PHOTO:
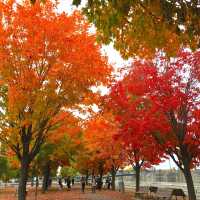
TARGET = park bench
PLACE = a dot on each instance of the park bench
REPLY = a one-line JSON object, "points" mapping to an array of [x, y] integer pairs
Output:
{"points": [[169, 193], [164, 194], [152, 191], [144, 191], [178, 193]]}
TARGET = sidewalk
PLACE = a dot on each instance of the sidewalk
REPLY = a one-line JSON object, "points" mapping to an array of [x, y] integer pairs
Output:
{"points": [[74, 194]]}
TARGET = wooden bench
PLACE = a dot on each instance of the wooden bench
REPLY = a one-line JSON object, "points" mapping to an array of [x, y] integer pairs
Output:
{"points": [[164, 194], [144, 190], [169, 193], [152, 191], [178, 193]]}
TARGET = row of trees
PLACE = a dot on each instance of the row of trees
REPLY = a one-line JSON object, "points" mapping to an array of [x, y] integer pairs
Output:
{"points": [[49, 63], [150, 115], [159, 102], [156, 104]]}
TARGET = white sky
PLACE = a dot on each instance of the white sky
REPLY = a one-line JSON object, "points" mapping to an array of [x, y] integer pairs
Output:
{"points": [[115, 59]]}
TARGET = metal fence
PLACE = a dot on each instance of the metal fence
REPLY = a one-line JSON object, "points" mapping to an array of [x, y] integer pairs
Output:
{"points": [[160, 178]]}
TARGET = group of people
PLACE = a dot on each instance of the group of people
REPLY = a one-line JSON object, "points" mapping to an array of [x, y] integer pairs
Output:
{"points": [[96, 183], [93, 184], [68, 181]]}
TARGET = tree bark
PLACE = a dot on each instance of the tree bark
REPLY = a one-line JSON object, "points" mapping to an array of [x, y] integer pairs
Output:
{"points": [[113, 173], [23, 179], [189, 182], [100, 176], [137, 178], [46, 174], [87, 176]]}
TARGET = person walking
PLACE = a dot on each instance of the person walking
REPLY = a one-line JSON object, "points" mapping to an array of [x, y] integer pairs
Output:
{"points": [[93, 185], [69, 183], [49, 182], [72, 180], [108, 182], [60, 183], [65, 179], [83, 184]]}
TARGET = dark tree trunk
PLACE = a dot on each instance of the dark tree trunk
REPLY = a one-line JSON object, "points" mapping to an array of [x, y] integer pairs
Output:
{"points": [[137, 177], [189, 181], [23, 179], [113, 173], [87, 176], [46, 174], [26, 155], [100, 176]]}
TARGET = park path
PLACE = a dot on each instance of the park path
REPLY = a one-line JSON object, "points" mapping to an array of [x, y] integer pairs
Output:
{"points": [[74, 194]]}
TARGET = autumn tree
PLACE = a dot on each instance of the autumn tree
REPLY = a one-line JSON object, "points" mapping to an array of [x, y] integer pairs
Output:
{"points": [[48, 63], [139, 27], [166, 93], [61, 148], [99, 135], [140, 149]]}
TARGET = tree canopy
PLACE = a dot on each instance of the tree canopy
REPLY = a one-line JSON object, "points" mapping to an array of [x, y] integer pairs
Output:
{"points": [[48, 64], [142, 26], [160, 100]]}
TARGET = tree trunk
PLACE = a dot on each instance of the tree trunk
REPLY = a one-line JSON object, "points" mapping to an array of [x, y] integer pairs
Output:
{"points": [[23, 179], [113, 173], [46, 174], [137, 178], [87, 176], [189, 182], [101, 178]]}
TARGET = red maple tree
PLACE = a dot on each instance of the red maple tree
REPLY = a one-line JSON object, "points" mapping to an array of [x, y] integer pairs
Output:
{"points": [[164, 94], [140, 147], [48, 63]]}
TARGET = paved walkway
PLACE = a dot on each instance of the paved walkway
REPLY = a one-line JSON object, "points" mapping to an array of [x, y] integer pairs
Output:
{"points": [[74, 194]]}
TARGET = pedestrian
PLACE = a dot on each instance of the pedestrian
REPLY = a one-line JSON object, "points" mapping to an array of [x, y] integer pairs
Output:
{"points": [[49, 182], [65, 179], [68, 182], [108, 182], [93, 185], [83, 184], [72, 180], [32, 182], [60, 183], [99, 183]]}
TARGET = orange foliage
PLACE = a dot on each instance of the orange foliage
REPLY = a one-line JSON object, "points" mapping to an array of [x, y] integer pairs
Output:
{"points": [[99, 138], [48, 61]]}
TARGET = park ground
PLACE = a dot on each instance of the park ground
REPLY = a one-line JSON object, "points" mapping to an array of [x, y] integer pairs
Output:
{"points": [[74, 194]]}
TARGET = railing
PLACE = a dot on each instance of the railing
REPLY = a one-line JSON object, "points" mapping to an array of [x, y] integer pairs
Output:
{"points": [[162, 179]]}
